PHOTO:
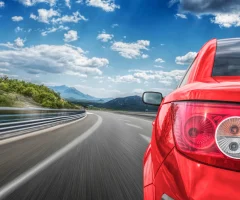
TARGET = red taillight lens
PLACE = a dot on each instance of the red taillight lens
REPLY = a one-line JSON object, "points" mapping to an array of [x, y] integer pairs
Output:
{"points": [[200, 133]]}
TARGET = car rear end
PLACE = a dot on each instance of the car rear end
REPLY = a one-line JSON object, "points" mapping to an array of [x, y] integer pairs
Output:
{"points": [[195, 147]]}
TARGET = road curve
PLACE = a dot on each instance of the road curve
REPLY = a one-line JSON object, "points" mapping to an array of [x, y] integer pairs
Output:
{"points": [[99, 157]]}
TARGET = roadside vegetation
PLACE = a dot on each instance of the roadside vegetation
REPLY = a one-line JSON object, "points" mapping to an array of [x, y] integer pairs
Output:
{"points": [[15, 92]]}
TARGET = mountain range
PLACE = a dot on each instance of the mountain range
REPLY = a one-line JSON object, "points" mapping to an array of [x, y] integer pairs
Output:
{"points": [[130, 103], [72, 94]]}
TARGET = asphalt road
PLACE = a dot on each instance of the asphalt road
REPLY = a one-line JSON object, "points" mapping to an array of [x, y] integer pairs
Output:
{"points": [[99, 157]]}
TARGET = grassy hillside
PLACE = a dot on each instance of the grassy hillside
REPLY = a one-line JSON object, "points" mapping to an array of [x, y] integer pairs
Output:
{"points": [[19, 93]]}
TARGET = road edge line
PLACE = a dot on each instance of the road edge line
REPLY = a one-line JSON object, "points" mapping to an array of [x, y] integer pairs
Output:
{"points": [[26, 176]]}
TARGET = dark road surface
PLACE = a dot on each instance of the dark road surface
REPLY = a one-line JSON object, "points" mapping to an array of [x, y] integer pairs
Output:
{"points": [[98, 157]]}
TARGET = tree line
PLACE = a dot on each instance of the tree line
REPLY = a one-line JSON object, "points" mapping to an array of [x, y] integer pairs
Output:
{"points": [[41, 94]]}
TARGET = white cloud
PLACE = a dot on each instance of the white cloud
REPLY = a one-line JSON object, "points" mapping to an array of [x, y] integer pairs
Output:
{"points": [[179, 15], [67, 2], [115, 25], [98, 77], [168, 78], [17, 18], [71, 36], [224, 13], [144, 56], [71, 73], [226, 20], [74, 18], [7, 45], [158, 66], [131, 50], [54, 29], [106, 5], [4, 70], [186, 59], [55, 59], [8, 75], [18, 29], [124, 79], [138, 91], [2, 4], [33, 2], [44, 15], [98, 92], [159, 60], [19, 42], [171, 2], [79, 1], [104, 37]]}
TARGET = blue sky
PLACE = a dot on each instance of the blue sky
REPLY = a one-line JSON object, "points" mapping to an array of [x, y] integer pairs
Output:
{"points": [[109, 48]]}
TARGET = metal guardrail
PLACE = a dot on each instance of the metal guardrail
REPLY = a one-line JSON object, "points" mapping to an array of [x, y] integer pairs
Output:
{"points": [[18, 121]]}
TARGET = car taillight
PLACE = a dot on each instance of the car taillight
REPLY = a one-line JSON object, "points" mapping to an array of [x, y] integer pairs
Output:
{"points": [[208, 132]]}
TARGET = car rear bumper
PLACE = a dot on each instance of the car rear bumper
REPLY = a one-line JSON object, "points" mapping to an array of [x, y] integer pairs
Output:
{"points": [[180, 178]]}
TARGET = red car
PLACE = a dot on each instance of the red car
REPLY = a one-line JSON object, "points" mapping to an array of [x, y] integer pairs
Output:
{"points": [[195, 147]]}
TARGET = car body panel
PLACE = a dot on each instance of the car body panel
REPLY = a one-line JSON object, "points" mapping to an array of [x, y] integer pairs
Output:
{"points": [[189, 179], [171, 172]]}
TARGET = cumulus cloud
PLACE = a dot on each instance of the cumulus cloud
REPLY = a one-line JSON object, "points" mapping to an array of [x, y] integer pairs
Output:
{"points": [[186, 59], [18, 29], [99, 92], [159, 60], [55, 59], [71, 73], [2, 4], [44, 15], [4, 70], [33, 2], [168, 78], [54, 29], [209, 6], [138, 91], [124, 79], [19, 42], [71, 36], [179, 15], [225, 13], [115, 25], [226, 20], [131, 50], [106, 5], [158, 66], [17, 18], [74, 18], [67, 2], [144, 56], [104, 37]]}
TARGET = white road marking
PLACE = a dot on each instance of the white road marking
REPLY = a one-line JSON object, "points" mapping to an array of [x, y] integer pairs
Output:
{"points": [[135, 126], [26, 176], [136, 118], [20, 137], [148, 139]]}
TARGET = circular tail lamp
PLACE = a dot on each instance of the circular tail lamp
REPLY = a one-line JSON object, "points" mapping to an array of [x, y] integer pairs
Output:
{"points": [[228, 137]]}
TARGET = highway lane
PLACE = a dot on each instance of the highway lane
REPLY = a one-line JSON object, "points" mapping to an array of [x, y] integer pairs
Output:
{"points": [[106, 164]]}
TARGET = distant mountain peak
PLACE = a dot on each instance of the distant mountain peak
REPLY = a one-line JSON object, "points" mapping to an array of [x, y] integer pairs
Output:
{"points": [[71, 93]]}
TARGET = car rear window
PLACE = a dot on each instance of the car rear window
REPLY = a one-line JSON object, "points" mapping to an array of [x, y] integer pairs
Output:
{"points": [[227, 59]]}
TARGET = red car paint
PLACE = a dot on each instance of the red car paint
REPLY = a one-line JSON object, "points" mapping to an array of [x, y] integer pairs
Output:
{"points": [[168, 170]]}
